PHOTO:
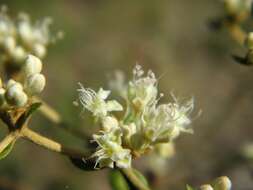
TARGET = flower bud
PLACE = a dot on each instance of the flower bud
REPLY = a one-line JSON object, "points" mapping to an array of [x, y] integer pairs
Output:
{"points": [[206, 187], [9, 43], [25, 31], [222, 183], [35, 83], [12, 82], [39, 50], [18, 54], [165, 150], [109, 123], [16, 96], [32, 65]]}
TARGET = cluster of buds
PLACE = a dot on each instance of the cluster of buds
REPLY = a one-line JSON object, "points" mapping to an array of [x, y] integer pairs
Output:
{"points": [[238, 9], [221, 183], [16, 94], [20, 37], [143, 125]]}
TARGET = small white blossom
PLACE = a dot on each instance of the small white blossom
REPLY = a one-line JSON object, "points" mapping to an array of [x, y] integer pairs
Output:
{"points": [[110, 151], [96, 102], [142, 90], [167, 120]]}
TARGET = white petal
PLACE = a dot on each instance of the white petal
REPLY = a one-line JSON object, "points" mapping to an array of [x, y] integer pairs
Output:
{"points": [[113, 105], [103, 94]]}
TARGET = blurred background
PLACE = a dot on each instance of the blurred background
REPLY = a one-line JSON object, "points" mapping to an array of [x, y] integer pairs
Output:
{"points": [[170, 37]]}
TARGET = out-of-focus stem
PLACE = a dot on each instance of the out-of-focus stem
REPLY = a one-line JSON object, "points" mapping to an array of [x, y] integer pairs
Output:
{"points": [[55, 117], [129, 173], [49, 112]]}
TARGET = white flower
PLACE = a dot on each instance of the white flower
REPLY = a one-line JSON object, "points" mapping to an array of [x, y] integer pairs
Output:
{"points": [[110, 151], [142, 90], [96, 102], [167, 120]]}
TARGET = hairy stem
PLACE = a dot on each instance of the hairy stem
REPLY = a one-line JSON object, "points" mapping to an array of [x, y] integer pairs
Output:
{"points": [[129, 173]]}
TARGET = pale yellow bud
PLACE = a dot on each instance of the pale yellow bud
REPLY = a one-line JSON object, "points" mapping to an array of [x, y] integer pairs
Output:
{"points": [[32, 65], [109, 123], [165, 150], [15, 96], [206, 187], [12, 82], [9, 44], [39, 50], [35, 83], [25, 31], [222, 183], [18, 54]]}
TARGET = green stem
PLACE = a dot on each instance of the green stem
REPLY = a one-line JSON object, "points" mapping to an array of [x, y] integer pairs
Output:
{"points": [[134, 179]]}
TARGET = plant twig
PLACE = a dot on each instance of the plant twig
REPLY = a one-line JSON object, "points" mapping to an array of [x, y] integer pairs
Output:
{"points": [[51, 144], [134, 179]]}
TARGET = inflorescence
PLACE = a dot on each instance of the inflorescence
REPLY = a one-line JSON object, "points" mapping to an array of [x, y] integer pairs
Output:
{"points": [[15, 93], [143, 124], [20, 37]]}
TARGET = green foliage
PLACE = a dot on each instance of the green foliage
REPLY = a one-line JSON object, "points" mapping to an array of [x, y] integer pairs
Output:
{"points": [[7, 150], [118, 181]]}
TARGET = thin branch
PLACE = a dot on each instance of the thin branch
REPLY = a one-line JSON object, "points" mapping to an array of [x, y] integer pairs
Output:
{"points": [[134, 179], [52, 145]]}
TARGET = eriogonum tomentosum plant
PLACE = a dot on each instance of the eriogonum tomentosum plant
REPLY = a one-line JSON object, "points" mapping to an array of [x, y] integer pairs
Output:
{"points": [[144, 125], [20, 37]]}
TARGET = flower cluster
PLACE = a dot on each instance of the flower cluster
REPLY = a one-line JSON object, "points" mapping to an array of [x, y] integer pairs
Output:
{"points": [[20, 37], [15, 94], [144, 124]]}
